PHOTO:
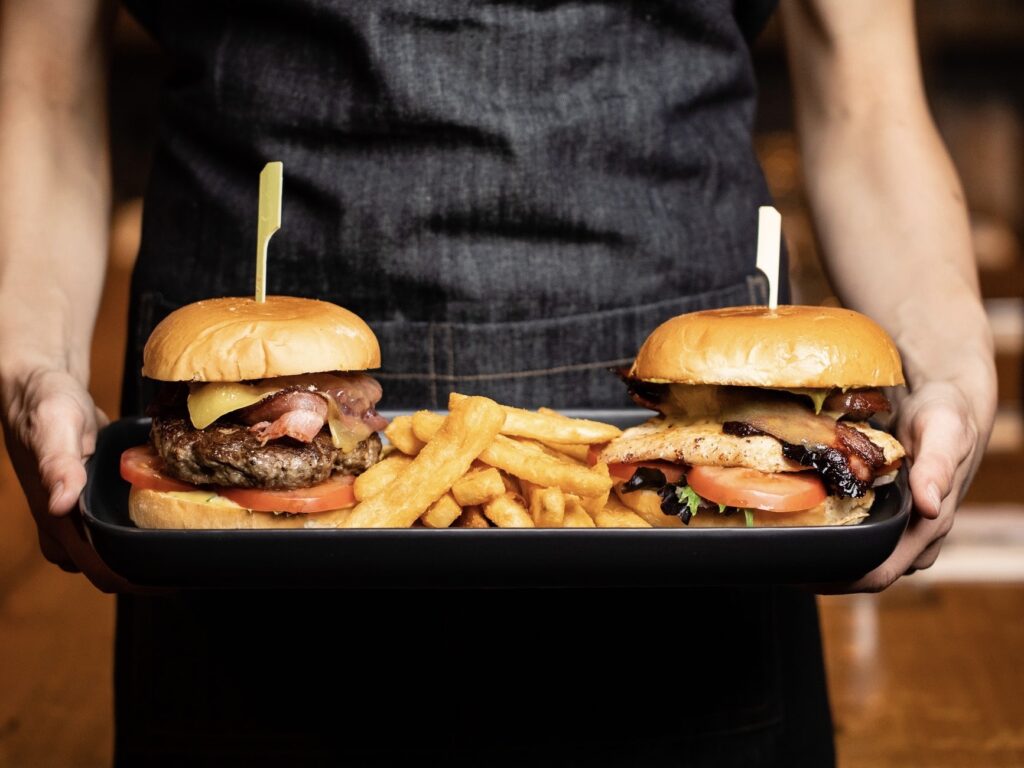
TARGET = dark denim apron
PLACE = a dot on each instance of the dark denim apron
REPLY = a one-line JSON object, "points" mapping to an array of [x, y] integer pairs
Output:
{"points": [[513, 195]]}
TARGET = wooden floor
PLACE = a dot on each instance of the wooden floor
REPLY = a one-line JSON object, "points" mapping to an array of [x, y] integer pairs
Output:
{"points": [[927, 674]]}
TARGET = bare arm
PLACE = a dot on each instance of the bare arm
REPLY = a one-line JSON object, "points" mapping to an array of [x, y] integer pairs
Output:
{"points": [[891, 219], [54, 215]]}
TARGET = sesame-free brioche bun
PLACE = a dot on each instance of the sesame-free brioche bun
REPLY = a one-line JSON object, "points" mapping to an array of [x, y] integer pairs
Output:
{"points": [[186, 511], [791, 346], [832, 511], [236, 339]]}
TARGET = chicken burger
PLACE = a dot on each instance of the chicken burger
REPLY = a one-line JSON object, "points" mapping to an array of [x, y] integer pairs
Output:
{"points": [[763, 419]]}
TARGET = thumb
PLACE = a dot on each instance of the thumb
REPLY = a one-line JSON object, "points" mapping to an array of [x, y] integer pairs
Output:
{"points": [[56, 441], [941, 441]]}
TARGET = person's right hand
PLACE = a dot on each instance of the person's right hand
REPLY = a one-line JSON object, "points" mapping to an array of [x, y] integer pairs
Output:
{"points": [[50, 424]]}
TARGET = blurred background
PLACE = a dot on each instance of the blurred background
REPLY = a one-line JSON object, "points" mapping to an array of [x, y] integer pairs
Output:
{"points": [[928, 673]]}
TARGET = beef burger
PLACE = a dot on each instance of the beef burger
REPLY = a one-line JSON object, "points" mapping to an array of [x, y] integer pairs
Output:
{"points": [[264, 419]]}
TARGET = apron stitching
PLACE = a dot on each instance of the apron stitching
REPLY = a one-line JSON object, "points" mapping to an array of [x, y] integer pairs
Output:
{"points": [[451, 348], [611, 313], [434, 377]]}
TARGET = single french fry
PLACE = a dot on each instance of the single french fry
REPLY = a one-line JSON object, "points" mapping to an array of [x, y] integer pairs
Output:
{"points": [[575, 515], [547, 508], [380, 475], [442, 513], [594, 503], [425, 424], [507, 511], [616, 515], [478, 487], [472, 517], [550, 450], [550, 428], [399, 433], [469, 429], [527, 462], [576, 452]]}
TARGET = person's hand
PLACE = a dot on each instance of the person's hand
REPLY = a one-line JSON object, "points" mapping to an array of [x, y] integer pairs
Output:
{"points": [[944, 426], [50, 424]]}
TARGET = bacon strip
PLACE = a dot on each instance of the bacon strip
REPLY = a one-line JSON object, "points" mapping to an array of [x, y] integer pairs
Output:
{"points": [[646, 394], [356, 397], [301, 413], [298, 425], [857, 404], [275, 406], [844, 457]]}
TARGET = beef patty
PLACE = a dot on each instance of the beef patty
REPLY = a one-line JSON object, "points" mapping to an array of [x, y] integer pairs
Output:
{"points": [[229, 454]]}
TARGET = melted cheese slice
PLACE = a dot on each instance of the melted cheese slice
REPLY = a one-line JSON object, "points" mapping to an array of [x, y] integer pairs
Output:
{"points": [[208, 401]]}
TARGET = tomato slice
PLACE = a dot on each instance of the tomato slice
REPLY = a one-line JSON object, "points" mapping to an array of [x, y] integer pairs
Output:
{"points": [[770, 491], [142, 467], [673, 472], [335, 493]]}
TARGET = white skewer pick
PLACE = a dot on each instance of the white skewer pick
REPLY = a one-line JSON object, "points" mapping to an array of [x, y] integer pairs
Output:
{"points": [[769, 237], [269, 221]]}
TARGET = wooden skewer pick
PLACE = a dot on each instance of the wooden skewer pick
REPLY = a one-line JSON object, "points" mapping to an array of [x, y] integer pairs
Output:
{"points": [[271, 183], [769, 236]]}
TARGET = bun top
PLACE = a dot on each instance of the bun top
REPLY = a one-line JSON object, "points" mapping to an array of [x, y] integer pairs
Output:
{"points": [[236, 339], [793, 346]]}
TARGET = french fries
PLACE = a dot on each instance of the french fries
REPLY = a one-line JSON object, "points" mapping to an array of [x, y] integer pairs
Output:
{"points": [[379, 476], [576, 452], [472, 517], [539, 468], [525, 461], [487, 465], [442, 513], [399, 433], [594, 503], [615, 514], [547, 507], [478, 487], [467, 431], [507, 511], [575, 515], [549, 427]]}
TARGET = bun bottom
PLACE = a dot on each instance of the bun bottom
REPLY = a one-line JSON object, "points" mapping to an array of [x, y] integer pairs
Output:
{"points": [[832, 511], [191, 511]]}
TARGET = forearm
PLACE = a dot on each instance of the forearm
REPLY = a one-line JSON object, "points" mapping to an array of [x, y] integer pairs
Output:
{"points": [[894, 230], [887, 204], [54, 203]]}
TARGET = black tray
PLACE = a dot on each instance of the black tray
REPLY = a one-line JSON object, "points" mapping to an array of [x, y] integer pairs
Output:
{"points": [[419, 557]]}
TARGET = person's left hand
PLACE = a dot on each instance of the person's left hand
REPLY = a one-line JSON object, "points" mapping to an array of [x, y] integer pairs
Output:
{"points": [[944, 426]]}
